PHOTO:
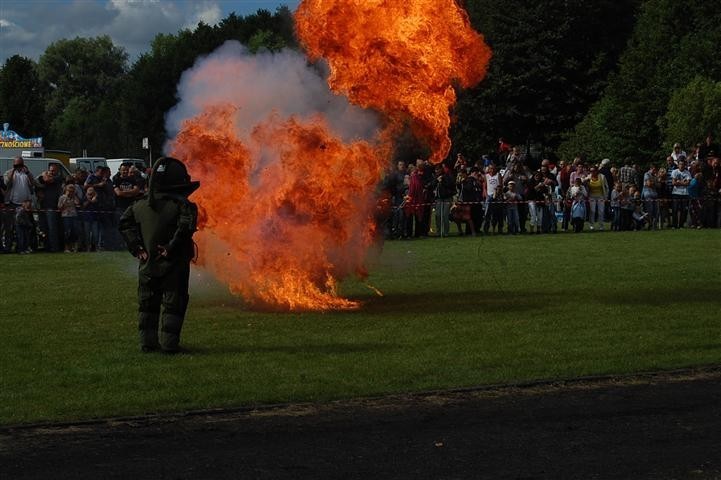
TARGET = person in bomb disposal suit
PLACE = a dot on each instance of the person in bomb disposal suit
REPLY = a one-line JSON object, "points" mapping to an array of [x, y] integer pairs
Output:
{"points": [[158, 230]]}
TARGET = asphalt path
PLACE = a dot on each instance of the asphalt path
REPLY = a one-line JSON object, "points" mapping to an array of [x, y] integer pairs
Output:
{"points": [[653, 426]]}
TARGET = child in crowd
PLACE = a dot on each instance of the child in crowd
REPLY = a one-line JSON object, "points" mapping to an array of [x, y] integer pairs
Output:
{"points": [[89, 215], [68, 206], [650, 202], [24, 226], [640, 218], [577, 194], [627, 207], [512, 200]]}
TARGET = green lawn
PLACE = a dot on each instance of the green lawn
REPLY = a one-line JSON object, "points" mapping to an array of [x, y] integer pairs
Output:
{"points": [[456, 312]]}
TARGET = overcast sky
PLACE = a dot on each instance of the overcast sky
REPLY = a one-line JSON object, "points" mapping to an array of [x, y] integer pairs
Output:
{"points": [[27, 27]]}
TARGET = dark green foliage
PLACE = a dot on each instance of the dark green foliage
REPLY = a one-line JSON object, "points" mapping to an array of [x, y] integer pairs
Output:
{"points": [[693, 111], [550, 62], [21, 96], [673, 42], [82, 77]]}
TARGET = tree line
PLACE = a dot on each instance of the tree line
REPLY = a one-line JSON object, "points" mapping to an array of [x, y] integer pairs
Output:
{"points": [[602, 78]]}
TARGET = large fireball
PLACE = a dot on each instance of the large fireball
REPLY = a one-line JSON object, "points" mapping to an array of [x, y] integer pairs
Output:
{"points": [[397, 56], [288, 168]]}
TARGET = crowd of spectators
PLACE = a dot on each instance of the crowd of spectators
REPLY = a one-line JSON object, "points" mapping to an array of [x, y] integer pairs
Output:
{"points": [[500, 194], [507, 194], [78, 213]]}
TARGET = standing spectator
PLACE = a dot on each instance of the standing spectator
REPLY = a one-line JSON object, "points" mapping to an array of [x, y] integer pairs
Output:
{"points": [[89, 216], [615, 175], [707, 147], [535, 196], [50, 187], [504, 149], [640, 218], [139, 179], [468, 198], [512, 200], [671, 165], [579, 171], [649, 195], [100, 181], [577, 195], [520, 176], [474, 191], [444, 187], [127, 190], [495, 212], [627, 174], [491, 181], [461, 164], [677, 152], [663, 204], [605, 170], [564, 183], [681, 179], [414, 208], [25, 226], [513, 157], [597, 193], [68, 206], [627, 207], [19, 185]]}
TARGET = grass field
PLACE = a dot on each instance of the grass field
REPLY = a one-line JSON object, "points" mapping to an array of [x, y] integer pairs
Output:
{"points": [[456, 312]]}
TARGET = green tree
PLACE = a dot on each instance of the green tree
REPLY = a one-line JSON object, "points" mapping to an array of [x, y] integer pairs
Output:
{"points": [[551, 61], [693, 111], [83, 76], [21, 96], [673, 40]]}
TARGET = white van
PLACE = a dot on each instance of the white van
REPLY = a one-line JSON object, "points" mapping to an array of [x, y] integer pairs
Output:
{"points": [[88, 163], [114, 164], [36, 165]]}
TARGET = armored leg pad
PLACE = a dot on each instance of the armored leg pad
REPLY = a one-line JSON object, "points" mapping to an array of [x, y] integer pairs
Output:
{"points": [[148, 330], [170, 332]]}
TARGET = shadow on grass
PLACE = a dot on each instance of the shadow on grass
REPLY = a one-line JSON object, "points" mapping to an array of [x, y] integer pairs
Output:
{"points": [[456, 302], [325, 349], [653, 295]]}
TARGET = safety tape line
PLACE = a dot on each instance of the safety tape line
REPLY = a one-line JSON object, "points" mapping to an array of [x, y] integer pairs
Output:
{"points": [[41, 210], [546, 202]]}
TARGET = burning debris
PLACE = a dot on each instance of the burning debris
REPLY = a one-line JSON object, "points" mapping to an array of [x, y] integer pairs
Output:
{"points": [[289, 168]]}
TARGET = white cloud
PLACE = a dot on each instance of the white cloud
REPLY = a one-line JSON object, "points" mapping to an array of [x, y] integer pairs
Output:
{"points": [[28, 27], [207, 12]]}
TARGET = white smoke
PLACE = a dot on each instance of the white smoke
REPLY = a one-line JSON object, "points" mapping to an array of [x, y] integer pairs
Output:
{"points": [[262, 84]]}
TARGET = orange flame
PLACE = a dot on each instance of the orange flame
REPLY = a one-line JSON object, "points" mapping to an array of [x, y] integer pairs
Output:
{"points": [[305, 221], [397, 56], [286, 207]]}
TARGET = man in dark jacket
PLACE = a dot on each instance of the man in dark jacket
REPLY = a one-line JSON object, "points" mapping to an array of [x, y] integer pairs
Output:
{"points": [[50, 189], [444, 187], [158, 230]]}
